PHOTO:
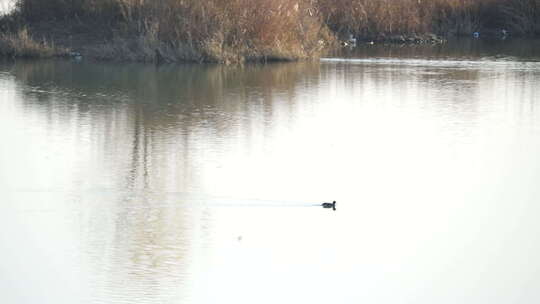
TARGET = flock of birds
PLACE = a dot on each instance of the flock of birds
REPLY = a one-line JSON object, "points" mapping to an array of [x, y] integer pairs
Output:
{"points": [[351, 40]]}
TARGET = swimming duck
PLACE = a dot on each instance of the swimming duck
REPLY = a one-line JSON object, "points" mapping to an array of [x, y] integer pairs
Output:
{"points": [[330, 205]]}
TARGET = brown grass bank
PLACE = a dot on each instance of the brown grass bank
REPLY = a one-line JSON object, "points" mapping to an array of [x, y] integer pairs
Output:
{"points": [[382, 18], [230, 31], [22, 45], [182, 30]]}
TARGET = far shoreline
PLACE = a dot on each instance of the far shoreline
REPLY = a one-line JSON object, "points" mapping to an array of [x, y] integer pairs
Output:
{"points": [[210, 31]]}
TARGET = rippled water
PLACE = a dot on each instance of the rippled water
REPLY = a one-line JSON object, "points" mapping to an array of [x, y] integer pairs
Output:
{"points": [[126, 183]]}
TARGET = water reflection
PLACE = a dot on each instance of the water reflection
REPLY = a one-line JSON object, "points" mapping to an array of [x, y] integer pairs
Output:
{"points": [[147, 108], [110, 168], [143, 132]]}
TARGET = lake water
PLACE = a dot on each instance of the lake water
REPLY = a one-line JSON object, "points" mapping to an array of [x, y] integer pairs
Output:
{"points": [[131, 183]]}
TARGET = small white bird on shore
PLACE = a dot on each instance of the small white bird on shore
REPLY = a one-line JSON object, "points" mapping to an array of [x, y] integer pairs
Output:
{"points": [[352, 40]]}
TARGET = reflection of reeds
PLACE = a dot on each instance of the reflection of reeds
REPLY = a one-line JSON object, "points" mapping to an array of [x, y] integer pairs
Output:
{"points": [[132, 110], [191, 87]]}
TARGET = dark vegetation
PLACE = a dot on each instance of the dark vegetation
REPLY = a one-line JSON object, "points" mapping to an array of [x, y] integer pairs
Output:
{"points": [[384, 18], [231, 31]]}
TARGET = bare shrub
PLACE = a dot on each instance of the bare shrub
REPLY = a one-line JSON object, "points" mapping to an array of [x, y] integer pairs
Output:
{"points": [[21, 44]]}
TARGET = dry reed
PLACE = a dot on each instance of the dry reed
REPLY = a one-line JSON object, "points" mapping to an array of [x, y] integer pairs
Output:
{"points": [[240, 30], [22, 45], [446, 17], [194, 30]]}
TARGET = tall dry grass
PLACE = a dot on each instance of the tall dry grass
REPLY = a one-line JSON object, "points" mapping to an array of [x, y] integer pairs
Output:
{"points": [[230, 29], [210, 30], [522, 16], [22, 45], [386, 17], [239, 30], [39, 10], [447, 17]]}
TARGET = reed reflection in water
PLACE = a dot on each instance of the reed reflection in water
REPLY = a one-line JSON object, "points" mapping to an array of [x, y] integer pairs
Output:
{"points": [[186, 184]]}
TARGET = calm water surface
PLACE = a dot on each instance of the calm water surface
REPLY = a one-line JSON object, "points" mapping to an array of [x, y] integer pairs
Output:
{"points": [[198, 184]]}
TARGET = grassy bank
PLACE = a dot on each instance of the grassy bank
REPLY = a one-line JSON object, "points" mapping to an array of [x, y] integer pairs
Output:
{"points": [[21, 44], [383, 18], [187, 30], [232, 31]]}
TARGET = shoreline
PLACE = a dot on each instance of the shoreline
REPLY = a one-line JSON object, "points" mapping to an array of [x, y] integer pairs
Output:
{"points": [[35, 42], [65, 44], [215, 32]]}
